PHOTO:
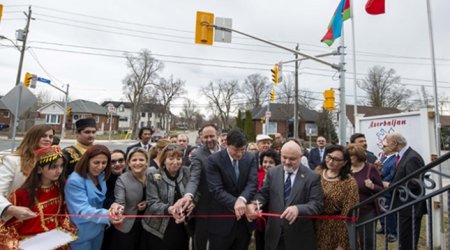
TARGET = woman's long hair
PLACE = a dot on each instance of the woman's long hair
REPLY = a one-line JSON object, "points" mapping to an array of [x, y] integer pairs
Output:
{"points": [[33, 182], [29, 144]]}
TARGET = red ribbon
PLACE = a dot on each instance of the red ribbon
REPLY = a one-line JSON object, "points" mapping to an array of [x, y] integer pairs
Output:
{"points": [[318, 217]]}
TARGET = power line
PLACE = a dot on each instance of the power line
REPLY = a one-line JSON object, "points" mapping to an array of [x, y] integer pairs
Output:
{"points": [[216, 60]]}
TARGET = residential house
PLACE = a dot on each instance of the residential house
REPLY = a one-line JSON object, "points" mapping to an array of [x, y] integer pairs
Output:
{"points": [[282, 119], [151, 115], [5, 115], [53, 113]]}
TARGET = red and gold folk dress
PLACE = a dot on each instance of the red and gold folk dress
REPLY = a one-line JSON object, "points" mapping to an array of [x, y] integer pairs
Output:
{"points": [[48, 201]]}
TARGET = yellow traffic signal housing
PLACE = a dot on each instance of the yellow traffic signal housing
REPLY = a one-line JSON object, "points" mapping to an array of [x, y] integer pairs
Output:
{"points": [[69, 110], [27, 80], [203, 28], [328, 103], [1, 12], [275, 74], [272, 96]]}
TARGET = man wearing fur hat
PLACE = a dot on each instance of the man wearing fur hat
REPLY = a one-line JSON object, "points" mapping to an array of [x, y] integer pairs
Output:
{"points": [[86, 130]]}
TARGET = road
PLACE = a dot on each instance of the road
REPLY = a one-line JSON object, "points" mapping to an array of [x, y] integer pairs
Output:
{"points": [[6, 144]]}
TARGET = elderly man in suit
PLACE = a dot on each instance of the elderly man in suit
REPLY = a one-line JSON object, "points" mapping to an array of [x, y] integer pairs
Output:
{"points": [[145, 134], [317, 154], [232, 182], [291, 190], [407, 161]]}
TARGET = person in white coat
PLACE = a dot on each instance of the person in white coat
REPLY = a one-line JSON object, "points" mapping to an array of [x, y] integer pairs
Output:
{"points": [[15, 167]]}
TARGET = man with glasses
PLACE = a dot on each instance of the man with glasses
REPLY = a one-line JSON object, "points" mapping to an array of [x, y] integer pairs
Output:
{"points": [[232, 182], [301, 194], [145, 134], [316, 155], [86, 130]]}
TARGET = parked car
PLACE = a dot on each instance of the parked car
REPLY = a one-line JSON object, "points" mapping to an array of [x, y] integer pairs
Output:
{"points": [[3, 126], [158, 135]]}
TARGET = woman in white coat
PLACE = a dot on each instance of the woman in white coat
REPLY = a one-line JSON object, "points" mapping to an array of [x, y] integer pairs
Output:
{"points": [[15, 167]]}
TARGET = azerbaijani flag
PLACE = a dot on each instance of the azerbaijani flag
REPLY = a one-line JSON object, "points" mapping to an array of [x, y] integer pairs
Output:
{"points": [[341, 14]]}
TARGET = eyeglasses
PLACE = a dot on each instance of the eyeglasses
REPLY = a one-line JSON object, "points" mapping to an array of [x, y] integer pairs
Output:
{"points": [[118, 161], [335, 159]]}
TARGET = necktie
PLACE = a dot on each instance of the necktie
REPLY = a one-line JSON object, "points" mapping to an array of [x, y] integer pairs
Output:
{"points": [[397, 160], [236, 168], [321, 154], [287, 188]]}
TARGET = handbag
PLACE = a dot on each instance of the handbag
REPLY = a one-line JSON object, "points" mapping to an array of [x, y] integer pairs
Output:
{"points": [[379, 208]]}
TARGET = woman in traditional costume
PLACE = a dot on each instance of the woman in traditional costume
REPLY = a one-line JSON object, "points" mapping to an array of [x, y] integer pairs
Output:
{"points": [[43, 194]]}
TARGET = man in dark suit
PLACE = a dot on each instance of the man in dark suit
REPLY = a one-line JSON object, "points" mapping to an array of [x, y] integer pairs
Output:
{"points": [[145, 134], [183, 140], [232, 182], [316, 154], [197, 182], [290, 189], [408, 161]]}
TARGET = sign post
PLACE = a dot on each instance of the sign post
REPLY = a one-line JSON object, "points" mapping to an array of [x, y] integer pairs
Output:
{"points": [[111, 110]]}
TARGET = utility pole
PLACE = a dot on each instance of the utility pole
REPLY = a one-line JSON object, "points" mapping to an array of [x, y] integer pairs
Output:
{"points": [[24, 43], [21, 35], [296, 95]]}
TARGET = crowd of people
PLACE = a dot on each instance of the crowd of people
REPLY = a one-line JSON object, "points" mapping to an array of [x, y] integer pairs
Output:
{"points": [[211, 194]]}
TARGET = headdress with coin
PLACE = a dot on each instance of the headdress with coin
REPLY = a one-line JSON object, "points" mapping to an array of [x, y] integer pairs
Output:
{"points": [[47, 155]]}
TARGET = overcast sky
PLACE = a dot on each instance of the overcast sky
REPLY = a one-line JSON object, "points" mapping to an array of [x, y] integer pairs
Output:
{"points": [[82, 43]]}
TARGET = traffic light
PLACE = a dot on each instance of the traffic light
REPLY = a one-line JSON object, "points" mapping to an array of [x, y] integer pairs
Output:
{"points": [[272, 96], [203, 28], [275, 74], [28, 78], [1, 12], [69, 110], [262, 120], [328, 103]]}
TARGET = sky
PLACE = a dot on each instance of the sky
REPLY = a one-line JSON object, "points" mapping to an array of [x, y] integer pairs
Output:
{"points": [[82, 43]]}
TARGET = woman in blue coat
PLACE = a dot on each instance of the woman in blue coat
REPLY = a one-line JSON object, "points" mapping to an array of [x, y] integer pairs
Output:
{"points": [[85, 192]]}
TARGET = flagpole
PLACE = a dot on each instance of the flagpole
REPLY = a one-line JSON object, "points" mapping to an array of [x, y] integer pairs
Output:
{"points": [[342, 105], [437, 125], [355, 81]]}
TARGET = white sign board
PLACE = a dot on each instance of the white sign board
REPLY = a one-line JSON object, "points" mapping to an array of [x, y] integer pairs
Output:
{"points": [[222, 35], [268, 114], [311, 129], [416, 127]]}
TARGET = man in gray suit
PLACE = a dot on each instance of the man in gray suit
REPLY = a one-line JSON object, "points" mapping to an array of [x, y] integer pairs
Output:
{"points": [[198, 182], [407, 162], [292, 190]]}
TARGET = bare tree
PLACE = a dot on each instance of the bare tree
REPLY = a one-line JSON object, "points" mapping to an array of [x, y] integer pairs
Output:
{"points": [[189, 113], [255, 88], [222, 96], [167, 90], [384, 88], [287, 93], [43, 97], [143, 71]]}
